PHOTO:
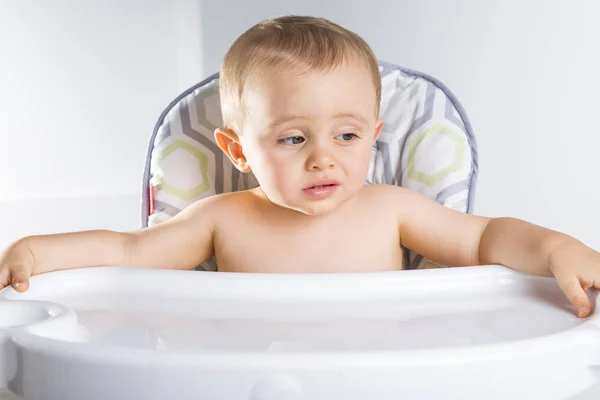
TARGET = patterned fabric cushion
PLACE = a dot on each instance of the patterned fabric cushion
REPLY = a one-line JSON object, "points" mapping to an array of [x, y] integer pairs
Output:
{"points": [[426, 145]]}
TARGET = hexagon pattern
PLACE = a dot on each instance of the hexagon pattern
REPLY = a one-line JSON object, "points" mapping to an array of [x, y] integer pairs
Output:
{"points": [[196, 183], [456, 156], [423, 122]]}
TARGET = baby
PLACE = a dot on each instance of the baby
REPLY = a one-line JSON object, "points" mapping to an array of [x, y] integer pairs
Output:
{"points": [[300, 102]]}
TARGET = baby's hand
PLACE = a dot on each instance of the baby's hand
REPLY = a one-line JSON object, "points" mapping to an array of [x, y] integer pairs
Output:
{"points": [[16, 266], [576, 269]]}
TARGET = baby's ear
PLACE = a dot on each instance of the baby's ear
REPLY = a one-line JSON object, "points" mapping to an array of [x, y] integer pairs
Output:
{"points": [[228, 141], [378, 127]]}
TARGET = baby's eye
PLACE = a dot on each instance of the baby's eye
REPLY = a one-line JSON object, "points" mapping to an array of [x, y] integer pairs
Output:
{"points": [[292, 140], [347, 137]]}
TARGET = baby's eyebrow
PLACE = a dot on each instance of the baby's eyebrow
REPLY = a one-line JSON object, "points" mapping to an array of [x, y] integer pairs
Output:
{"points": [[287, 118], [357, 117], [282, 120]]}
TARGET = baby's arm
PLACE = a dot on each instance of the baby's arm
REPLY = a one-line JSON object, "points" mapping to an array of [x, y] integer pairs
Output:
{"points": [[440, 234], [183, 242], [453, 238]]}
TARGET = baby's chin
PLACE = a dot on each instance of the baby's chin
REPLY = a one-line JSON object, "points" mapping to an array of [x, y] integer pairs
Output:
{"points": [[312, 208], [314, 211], [302, 209]]}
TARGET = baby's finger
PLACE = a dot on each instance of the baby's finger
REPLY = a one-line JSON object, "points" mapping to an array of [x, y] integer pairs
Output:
{"points": [[576, 295], [20, 278], [4, 277]]}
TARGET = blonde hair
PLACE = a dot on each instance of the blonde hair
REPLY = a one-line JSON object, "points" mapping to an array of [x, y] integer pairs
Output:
{"points": [[314, 44]]}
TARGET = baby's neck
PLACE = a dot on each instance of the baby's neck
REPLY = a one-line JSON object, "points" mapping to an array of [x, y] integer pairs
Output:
{"points": [[348, 206]]}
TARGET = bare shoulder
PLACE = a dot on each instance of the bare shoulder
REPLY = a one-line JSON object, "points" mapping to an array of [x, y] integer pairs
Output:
{"points": [[401, 203], [186, 240], [390, 195], [437, 232], [220, 204]]}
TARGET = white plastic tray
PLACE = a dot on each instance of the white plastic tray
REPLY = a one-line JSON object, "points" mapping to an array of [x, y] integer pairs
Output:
{"points": [[465, 333]]}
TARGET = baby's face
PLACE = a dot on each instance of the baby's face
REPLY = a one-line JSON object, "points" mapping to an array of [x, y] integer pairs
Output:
{"points": [[308, 137]]}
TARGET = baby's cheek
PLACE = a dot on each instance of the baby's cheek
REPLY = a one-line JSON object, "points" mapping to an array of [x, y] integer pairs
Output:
{"points": [[276, 171], [360, 169]]}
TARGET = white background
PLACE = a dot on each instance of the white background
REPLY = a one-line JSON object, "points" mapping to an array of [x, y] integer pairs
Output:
{"points": [[83, 82]]}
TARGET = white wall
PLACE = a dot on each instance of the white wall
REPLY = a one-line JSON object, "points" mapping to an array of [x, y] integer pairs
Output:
{"points": [[525, 71], [82, 83]]}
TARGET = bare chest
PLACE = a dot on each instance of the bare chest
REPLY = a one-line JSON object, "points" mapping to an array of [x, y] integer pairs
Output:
{"points": [[259, 244]]}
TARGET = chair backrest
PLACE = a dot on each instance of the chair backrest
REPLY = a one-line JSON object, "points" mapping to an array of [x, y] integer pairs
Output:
{"points": [[426, 145]]}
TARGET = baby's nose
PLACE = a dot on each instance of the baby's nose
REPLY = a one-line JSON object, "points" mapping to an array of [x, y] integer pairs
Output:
{"points": [[320, 159]]}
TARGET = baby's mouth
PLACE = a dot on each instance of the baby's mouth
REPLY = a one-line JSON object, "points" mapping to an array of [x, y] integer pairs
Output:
{"points": [[322, 189], [322, 186]]}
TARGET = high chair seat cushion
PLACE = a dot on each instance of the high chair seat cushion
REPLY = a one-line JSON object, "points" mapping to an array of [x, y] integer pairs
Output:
{"points": [[426, 145]]}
